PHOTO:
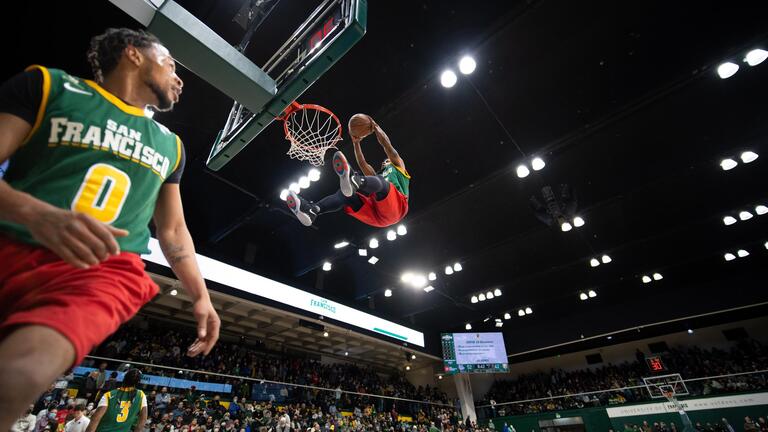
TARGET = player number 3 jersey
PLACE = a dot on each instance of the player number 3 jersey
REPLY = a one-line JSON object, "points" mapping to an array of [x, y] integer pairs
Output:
{"points": [[90, 152]]}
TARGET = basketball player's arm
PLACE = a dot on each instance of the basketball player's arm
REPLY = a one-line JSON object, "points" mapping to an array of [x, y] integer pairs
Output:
{"points": [[142, 420], [96, 418], [179, 250], [392, 154], [77, 238], [365, 167]]}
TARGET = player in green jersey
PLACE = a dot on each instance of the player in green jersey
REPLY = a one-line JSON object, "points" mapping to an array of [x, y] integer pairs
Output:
{"points": [[378, 200], [88, 172], [121, 409]]}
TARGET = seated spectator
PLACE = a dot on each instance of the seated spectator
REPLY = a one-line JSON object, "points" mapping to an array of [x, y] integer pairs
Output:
{"points": [[80, 422], [25, 423]]}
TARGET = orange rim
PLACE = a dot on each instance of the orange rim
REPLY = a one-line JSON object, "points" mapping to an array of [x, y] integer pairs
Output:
{"points": [[294, 107]]}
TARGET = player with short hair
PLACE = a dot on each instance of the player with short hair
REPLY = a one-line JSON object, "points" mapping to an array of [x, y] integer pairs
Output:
{"points": [[88, 172], [378, 200], [122, 408]]}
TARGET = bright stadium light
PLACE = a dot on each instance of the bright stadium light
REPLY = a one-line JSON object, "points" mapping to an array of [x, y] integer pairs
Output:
{"points": [[755, 57], [325, 334], [690, 331], [565, 227], [497, 292], [592, 294], [362, 252], [457, 267], [583, 296], [727, 70], [528, 310], [474, 299], [467, 65], [448, 270], [391, 235], [304, 182], [406, 277], [431, 276], [448, 78], [373, 260], [745, 215], [748, 156], [489, 295], [594, 262], [657, 276], [468, 326], [327, 266], [507, 316], [522, 171], [578, 222], [387, 292], [499, 324], [346, 353], [418, 281], [284, 194], [401, 230], [742, 253], [341, 244], [728, 164], [606, 259], [407, 367], [646, 279], [373, 244], [314, 174], [428, 288], [413, 356], [520, 312], [729, 220], [538, 164], [173, 292], [481, 297], [761, 210], [729, 256], [294, 187]]}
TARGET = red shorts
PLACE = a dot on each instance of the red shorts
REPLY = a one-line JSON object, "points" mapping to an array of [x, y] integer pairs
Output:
{"points": [[384, 213], [84, 305]]}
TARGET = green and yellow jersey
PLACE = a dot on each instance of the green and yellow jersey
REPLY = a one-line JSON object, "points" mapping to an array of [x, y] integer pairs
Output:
{"points": [[398, 177], [90, 152], [123, 408]]}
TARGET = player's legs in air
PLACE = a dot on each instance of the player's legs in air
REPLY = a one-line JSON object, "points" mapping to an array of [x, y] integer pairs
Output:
{"points": [[351, 186]]}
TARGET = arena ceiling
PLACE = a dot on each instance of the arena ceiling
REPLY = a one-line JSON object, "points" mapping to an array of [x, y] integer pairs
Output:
{"points": [[621, 100]]}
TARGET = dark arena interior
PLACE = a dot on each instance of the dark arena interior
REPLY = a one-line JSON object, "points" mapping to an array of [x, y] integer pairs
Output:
{"points": [[585, 249]]}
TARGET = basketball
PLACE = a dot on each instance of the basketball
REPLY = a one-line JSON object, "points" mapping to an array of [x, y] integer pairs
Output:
{"points": [[360, 125]]}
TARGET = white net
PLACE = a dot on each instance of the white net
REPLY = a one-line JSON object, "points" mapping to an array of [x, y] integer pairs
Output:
{"points": [[311, 132]]}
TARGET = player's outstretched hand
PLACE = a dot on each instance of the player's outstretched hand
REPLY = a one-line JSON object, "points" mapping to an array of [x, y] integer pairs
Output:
{"points": [[77, 238], [208, 324]]}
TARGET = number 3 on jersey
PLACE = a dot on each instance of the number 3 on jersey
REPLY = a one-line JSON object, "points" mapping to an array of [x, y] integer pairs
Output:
{"points": [[102, 193]]}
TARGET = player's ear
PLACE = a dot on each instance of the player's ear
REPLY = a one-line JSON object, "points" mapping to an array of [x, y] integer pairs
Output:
{"points": [[133, 55]]}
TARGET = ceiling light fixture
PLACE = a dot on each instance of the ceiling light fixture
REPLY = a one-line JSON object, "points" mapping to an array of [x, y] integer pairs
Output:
{"points": [[497, 292], [457, 267], [761, 209], [387, 292], [565, 227], [729, 256], [578, 222], [401, 230], [428, 288], [755, 57], [583, 296], [748, 156], [473, 299], [742, 253], [606, 259], [448, 270], [362, 252], [314, 174], [448, 78], [431, 276], [373, 260], [538, 164], [391, 235], [467, 65], [592, 294], [728, 164], [468, 326], [594, 262], [729, 220], [522, 171], [745, 215], [727, 70], [327, 266], [341, 244]]}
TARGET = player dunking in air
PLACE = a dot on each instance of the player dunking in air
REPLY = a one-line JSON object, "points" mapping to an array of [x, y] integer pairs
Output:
{"points": [[378, 200], [123, 409], [88, 172]]}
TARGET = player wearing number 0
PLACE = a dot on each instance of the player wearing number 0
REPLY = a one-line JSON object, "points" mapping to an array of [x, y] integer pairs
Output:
{"points": [[378, 200], [122, 409], [88, 172]]}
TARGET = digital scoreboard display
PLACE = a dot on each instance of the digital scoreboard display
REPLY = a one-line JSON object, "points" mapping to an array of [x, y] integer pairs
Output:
{"points": [[655, 364], [474, 353]]}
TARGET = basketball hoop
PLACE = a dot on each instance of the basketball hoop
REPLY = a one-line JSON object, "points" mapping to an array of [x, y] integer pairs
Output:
{"points": [[312, 130]]}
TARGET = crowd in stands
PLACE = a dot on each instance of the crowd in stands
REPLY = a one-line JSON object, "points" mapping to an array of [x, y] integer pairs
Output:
{"points": [[759, 425], [689, 362]]}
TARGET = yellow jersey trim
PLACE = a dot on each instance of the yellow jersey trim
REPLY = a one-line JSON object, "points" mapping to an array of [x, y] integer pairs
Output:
{"points": [[128, 109], [408, 176], [43, 101], [178, 154]]}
